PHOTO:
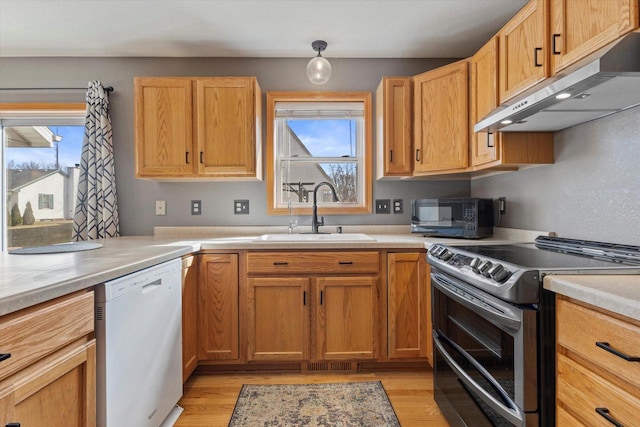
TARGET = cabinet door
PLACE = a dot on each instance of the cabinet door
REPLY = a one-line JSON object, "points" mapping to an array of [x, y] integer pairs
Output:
{"points": [[226, 126], [189, 316], [393, 120], [218, 307], [347, 318], [163, 127], [524, 49], [58, 391], [278, 319], [409, 313], [483, 100], [579, 27], [441, 119]]}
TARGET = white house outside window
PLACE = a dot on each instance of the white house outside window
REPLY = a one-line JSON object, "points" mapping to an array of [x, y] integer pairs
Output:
{"points": [[41, 152]]}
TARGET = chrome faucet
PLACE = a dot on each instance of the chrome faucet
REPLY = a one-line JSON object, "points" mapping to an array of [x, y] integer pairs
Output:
{"points": [[314, 220]]}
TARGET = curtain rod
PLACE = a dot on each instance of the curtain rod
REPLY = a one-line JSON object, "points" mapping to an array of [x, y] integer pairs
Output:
{"points": [[107, 89]]}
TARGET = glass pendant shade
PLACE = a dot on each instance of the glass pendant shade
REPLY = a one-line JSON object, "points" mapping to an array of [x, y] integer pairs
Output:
{"points": [[319, 69]]}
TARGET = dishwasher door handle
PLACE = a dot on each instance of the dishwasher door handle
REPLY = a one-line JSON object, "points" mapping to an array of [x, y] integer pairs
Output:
{"points": [[151, 286]]}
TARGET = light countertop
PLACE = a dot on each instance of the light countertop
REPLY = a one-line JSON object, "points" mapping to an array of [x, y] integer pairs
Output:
{"points": [[26, 280], [619, 294]]}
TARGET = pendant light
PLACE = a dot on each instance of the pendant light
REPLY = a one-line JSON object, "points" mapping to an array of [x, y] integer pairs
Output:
{"points": [[319, 69]]}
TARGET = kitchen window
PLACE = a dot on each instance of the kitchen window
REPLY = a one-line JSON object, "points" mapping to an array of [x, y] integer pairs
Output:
{"points": [[315, 137], [41, 152]]}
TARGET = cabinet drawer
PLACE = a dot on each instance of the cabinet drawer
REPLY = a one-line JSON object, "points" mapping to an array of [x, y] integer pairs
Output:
{"points": [[35, 332], [579, 328], [313, 262], [580, 392]]}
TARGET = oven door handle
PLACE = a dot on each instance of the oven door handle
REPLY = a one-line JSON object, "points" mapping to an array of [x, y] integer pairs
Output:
{"points": [[507, 316], [512, 413]]}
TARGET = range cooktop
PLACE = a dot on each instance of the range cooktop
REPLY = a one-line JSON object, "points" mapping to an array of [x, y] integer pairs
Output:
{"points": [[514, 272]]}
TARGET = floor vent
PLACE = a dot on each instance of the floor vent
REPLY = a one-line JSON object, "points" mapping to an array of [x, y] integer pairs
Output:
{"points": [[332, 367]]}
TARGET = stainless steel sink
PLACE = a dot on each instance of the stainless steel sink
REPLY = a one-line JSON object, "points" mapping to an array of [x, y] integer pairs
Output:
{"points": [[347, 237]]}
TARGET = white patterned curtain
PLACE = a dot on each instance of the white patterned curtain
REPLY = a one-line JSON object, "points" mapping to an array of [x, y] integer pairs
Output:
{"points": [[96, 213]]}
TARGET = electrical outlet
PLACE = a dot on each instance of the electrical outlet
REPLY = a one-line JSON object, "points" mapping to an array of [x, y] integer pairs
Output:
{"points": [[196, 207], [502, 205], [397, 206], [161, 207], [383, 206], [241, 207]]}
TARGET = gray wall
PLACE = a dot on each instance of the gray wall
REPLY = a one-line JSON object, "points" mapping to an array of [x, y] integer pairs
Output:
{"points": [[136, 198], [592, 191]]}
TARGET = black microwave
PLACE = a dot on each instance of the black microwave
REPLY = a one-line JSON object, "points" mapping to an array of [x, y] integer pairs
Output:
{"points": [[465, 217]]}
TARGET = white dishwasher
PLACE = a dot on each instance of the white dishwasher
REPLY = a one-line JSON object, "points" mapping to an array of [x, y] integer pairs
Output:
{"points": [[139, 347]]}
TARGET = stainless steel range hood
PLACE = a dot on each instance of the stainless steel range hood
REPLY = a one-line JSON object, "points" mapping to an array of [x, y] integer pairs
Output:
{"points": [[602, 84]]}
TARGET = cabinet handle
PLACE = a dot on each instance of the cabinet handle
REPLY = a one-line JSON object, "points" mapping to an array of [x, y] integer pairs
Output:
{"points": [[417, 154], [390, 156], [345, 262], [321, 296], [605, 346], [4, 356], [489, 145], [12, 425], [304, 298], [280, 263], [554, 51], [604, 413], [201, 153], [535, 56], [187, 157]]}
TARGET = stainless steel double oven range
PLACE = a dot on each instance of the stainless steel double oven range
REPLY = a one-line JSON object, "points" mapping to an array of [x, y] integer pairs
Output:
{"points": [[494, 325]]}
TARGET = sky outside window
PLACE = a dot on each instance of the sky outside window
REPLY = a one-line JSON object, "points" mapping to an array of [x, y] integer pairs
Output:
{"points": [[325, 137]]}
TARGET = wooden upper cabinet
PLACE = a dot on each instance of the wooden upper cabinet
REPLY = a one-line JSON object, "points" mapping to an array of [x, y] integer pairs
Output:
{"points": [[483, 99], [441, 119], [228, 126], [393, 127], [163, 127], [524, 49], [579, 27], [198, 128]]}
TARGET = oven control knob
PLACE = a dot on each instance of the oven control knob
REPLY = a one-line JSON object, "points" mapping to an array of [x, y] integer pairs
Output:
{"points": [[434, 249], [446, 255], [500, 275], [474, 264], [484, 267], [493, 271]]}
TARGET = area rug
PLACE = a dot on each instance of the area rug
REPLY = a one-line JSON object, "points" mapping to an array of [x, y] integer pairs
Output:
{"points": [[328, 405]]}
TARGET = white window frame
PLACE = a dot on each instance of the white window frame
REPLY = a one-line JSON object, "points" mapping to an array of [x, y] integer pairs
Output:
{"points": [[30, 114], [327, 104]]}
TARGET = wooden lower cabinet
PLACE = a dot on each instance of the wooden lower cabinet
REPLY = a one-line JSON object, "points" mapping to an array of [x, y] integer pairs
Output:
{"points": [[347, 320], [278, 318], [409, 306], [310, 306], [50, 378], [189, 315], [594, 383], [218, 307]]}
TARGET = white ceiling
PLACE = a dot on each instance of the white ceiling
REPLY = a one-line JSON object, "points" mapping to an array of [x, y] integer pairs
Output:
{"points": [[250, 28]]}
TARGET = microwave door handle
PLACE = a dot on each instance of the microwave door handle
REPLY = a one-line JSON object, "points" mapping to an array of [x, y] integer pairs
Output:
{"points": [[514, 414], [508, 318]]}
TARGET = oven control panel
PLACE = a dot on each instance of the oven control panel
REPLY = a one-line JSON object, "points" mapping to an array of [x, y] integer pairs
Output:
{"points": [[482, 267]]}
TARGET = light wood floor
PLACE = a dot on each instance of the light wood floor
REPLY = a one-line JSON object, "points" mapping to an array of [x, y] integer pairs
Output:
{"points": [[209, 399]]}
